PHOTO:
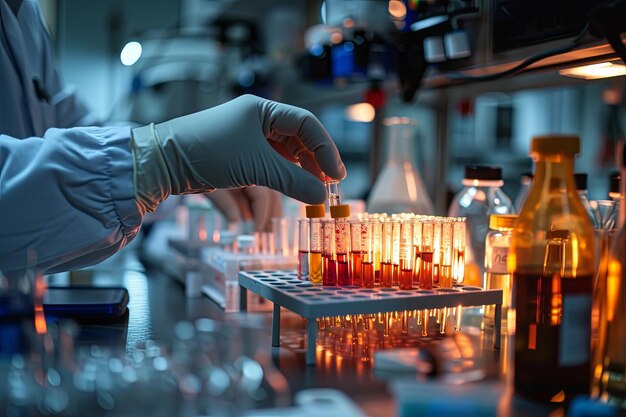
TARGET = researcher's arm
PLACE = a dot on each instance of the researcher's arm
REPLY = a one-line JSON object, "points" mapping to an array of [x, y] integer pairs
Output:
{"points": [[68, 196]]}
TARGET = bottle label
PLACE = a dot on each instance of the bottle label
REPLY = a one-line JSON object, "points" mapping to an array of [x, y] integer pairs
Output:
{"points": [[575, 330], [498, 260]]}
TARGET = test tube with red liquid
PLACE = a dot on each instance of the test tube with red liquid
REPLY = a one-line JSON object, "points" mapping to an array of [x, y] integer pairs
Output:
{"points": [[445, 263], [417, 243], [329, 267], [386, 254], [459, 249], [369, 251], [426, 255], [357, 231], [340, 214], [406, 255]]}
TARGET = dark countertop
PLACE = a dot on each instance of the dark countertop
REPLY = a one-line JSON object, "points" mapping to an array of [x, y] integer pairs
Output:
{"points": [[158, 302]]}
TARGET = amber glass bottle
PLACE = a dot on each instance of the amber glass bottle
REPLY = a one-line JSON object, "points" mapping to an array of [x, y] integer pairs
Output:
{"points": [[552, 259]]}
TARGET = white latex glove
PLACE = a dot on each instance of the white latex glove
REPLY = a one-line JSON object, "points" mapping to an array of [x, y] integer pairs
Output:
{"points": [[247, 141], [250, 203]]}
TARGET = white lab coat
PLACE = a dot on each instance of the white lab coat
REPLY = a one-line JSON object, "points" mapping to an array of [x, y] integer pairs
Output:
{"points": [[67, 194]]}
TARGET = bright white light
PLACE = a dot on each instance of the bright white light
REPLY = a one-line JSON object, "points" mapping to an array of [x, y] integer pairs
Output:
{"points": [[361, 112], [595, 71], [131, 53]]}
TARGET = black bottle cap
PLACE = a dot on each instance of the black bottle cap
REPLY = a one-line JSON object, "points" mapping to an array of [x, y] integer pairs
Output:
{"points": [[478, 172], [557, 234], [527, 175], [581, 181], [614, 182]]}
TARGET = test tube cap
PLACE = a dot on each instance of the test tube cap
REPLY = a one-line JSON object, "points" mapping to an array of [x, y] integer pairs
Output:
{"points": [[340, 211], [315, 211]]}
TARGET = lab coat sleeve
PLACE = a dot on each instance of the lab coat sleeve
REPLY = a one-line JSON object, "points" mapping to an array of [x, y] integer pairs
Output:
{"points": [[68, 196]]}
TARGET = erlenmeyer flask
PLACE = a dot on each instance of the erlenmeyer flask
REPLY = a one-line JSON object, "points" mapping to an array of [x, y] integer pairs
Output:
{"points": [[399, 187]]}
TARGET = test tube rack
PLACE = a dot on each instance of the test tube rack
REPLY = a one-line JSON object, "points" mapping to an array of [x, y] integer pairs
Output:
{"points": [[284, 289]]}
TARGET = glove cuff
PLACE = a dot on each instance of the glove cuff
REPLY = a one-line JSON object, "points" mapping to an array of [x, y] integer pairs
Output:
{"points": [[150, 173]]}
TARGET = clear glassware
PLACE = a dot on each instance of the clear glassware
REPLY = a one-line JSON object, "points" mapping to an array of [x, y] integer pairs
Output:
{"points": [[610, 369], [552, 261], [526, 179], [399, 187], [496, 274], [481, 197], [581, 186]]}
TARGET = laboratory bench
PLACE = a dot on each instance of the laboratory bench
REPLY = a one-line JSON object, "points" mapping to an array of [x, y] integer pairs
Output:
{"points": [[157, 302]]}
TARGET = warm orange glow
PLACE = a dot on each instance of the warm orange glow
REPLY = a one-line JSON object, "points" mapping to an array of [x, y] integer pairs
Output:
{"points": [[40, 322], [532, 337], [559, 397], [556, 301], [348, 23], [336, 37], [397, 9], [360, 112], [613, 287], [595, 71]]}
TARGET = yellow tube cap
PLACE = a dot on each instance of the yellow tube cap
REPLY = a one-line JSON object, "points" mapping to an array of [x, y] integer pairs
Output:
{"points": [[340, 211], [551, 144], [502, 221], [315, 211]]}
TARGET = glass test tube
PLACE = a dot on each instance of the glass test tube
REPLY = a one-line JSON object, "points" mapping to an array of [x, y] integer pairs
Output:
{"points": [[342, 249], [369, 250], [406, 255], [303, 249], [445, 264], [459, 250], [437, 221], [357, 232], [332, 191], [315, 250], [417, 243], [386, 260], [426, 259], [395, 252], [329, 268], [377, 244]]}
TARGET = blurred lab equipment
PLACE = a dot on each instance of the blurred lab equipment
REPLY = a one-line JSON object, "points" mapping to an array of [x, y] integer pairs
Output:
{"points": [[399, 187], [525, 180], [497, 246], [609, 373], [481, 196], [581, 187], [552, 264]]}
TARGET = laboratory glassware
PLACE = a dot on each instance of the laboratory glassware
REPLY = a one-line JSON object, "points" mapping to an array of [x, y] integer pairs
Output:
{"points": [[610, 370], [340, 214], [386, 254], [303, 248], [406, 255], [426, 256], [552, 260], [525, 180], [369, 251], [329, 264], [314, 213], [399, 187], [481, 196], [497, 276], [357, 244], [581, 187], [458, 266], [446, 254]]}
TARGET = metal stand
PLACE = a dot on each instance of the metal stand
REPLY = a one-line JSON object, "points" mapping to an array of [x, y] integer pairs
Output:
{"points": [[284, 289]]}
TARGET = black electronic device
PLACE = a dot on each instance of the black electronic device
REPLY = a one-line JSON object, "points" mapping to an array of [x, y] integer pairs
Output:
{"points": [[85, 303]]}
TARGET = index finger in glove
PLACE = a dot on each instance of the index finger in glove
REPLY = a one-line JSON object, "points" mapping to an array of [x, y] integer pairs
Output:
{"points": [[288, 120]]}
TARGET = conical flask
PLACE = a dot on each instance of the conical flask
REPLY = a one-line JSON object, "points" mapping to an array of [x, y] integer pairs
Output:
{"points": [[399, 187]]}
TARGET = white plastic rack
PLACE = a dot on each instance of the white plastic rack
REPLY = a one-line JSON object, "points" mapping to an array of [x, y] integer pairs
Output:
{"points": [[310, 301]]}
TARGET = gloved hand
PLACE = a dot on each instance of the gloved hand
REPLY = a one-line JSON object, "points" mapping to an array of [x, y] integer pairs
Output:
{"points": [[250, 203], [247, 141]]}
